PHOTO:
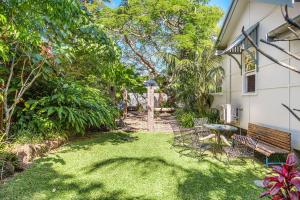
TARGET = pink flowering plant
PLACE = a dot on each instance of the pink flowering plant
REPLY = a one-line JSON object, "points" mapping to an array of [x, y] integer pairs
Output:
{"points": [[284, 183]]}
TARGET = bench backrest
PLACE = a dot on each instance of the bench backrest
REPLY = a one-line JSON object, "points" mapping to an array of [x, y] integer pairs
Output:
{"points": [[271, 136]]}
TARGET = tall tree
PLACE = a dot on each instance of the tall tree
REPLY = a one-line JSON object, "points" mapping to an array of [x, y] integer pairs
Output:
{"points": [[148, 29], [30, 31]]}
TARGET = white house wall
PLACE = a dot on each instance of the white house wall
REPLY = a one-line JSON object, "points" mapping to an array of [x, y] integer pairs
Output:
{"points": [[274, 84]]}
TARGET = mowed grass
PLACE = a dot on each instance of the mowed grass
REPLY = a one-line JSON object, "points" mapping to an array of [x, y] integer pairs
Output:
{"points": [[113, 166]]}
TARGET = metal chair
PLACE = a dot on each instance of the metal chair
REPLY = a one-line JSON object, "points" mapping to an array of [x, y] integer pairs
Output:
{"points": [[182, 136], [199, 122], [177, 140], [188, 141], [193, 141]]}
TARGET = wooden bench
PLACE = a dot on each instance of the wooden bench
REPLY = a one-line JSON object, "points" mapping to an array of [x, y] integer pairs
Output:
{"points": [[269, 141]]}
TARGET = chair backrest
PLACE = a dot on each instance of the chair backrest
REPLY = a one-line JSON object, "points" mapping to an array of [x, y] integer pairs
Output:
{"points": [[200, 121], [244, 140], [271, 136]]}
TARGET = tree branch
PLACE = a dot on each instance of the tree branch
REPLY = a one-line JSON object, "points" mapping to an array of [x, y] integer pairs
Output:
{"points": [[12, 66], [7, 85], [147, 63], [291, 111], [281, 49], [288, 19], [267, 55], [27, 84]]}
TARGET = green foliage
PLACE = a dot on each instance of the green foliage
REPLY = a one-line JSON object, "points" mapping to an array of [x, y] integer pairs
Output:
{"points": [[8, 163], [183, 30], [213, 115], [185, 118], [30, 33], [7, 156], [65, 58], [127, 77], [43, 40], [148, 29], [28, 135], [71, 106], [193, 79]]}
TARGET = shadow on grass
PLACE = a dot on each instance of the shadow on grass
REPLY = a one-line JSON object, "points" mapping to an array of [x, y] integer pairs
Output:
{"points": [[53, 159], [214, 181], [114, 138], [217, 181], [42, 181]]}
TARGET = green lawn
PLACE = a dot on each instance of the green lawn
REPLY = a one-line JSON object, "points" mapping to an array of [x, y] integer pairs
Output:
{"points": [[136, 166]]}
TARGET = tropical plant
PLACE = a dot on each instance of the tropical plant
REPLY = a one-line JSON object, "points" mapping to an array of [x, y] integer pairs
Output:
{"points": [[194, 79], [185, 118], [30, 30], [70, 106], [285, 183], [42, 40]]}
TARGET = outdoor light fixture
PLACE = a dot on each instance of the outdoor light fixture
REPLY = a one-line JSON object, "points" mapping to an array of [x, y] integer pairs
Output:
{"points": [[150, 82]]}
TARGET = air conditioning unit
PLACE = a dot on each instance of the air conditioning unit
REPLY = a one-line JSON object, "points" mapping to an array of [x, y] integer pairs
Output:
{"points": [[230, 113]]}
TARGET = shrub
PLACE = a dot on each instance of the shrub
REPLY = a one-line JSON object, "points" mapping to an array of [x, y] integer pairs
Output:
{"points": [[71, 106], [285, 183], [185, 118], [213, 115], [8, 163]]}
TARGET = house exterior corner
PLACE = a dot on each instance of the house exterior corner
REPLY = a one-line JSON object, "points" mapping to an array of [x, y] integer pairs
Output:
{"points": [[261, 87]]}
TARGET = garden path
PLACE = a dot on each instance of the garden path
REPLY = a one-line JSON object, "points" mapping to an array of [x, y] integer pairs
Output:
{"points": [[138, 122]]}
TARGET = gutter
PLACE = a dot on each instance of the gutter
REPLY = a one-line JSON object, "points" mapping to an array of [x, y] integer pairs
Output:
{"points": [[226, 21]]}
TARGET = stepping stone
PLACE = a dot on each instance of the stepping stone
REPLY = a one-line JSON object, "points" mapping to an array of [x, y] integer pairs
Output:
{"points": [[259, 183]]}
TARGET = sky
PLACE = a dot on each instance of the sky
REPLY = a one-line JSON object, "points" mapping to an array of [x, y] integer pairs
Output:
{"points": [[224, 4]]}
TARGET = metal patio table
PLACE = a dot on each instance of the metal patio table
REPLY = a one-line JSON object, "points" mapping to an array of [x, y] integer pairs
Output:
{"points": [[217, 131]]}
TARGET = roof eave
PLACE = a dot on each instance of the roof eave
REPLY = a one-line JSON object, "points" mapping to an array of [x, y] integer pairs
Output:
{"points": [[226, 21], [284, 31]]}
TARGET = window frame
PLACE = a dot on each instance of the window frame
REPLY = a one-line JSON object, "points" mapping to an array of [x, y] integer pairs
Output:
{"points": [[246, 73], [215, 91]]}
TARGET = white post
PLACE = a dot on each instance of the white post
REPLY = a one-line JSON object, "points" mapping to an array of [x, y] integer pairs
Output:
{"points": [[150, 107], [125, 97]]}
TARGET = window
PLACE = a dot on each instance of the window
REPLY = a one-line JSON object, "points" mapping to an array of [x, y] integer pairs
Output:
{"points": [[249, 70], [217, 88]]}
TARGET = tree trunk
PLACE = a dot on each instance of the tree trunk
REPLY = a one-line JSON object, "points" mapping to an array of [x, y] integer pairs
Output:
{"points": [[7, 119], [112, 93]]}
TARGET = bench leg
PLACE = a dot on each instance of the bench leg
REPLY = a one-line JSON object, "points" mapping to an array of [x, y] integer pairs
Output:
{"points": [[267, 161]]}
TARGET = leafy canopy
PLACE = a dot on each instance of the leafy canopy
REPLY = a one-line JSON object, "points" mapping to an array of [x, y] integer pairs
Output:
{"points": [[147, 29]]}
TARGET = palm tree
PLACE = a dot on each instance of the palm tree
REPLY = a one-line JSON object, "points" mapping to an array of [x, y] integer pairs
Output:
{"points": [[193, 79]]}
